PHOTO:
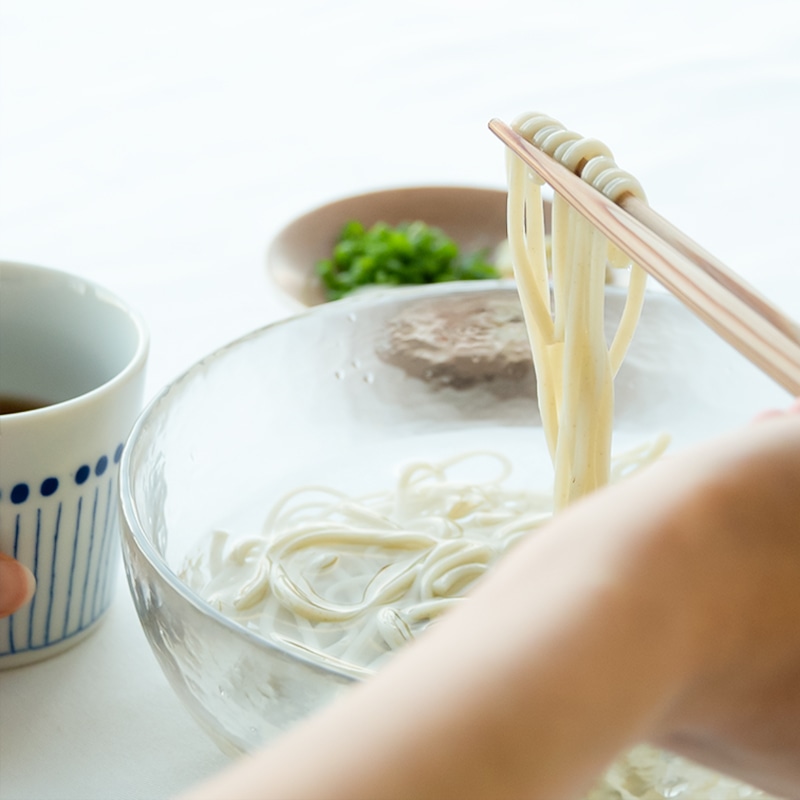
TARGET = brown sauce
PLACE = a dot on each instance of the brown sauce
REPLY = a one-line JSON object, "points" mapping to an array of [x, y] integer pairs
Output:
{"points": [[14, 403]]}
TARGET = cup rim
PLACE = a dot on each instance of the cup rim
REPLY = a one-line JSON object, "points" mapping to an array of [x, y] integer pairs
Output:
{"points": [[134, 364]]}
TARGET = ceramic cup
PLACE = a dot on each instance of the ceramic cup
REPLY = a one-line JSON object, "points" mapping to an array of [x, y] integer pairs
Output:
{"points": [[72, 365]]}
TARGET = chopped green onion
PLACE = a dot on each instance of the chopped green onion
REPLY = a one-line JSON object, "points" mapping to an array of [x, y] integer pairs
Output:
{"points": [[410, 253]]}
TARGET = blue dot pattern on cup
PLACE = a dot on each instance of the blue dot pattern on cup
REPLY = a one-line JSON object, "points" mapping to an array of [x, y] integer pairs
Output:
{"points": [[81, 532]]}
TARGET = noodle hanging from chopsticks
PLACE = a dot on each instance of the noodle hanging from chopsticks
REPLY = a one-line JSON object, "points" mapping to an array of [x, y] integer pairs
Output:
{"points": [[350, 579]]}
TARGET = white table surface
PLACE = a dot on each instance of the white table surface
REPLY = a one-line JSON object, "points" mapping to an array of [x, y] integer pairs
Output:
{"points": [[157, 146]]}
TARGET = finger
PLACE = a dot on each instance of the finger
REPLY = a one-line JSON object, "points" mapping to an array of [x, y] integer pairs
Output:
{"points": [[772, 413], [17, 585]]}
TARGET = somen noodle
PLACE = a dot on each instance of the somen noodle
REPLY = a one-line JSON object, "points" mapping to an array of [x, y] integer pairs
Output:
{"points": [[347, 580], [350, 579]]}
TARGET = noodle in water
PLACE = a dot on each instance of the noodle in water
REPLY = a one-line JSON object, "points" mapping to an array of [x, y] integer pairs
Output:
{"points": [[349, 580]]}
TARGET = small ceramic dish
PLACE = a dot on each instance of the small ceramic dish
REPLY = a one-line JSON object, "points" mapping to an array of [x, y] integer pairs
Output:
{"points": [[475, 218]]}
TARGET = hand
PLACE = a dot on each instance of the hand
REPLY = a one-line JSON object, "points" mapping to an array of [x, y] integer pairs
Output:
{"points": [[739, 709], [17, 585], [665, 608]]}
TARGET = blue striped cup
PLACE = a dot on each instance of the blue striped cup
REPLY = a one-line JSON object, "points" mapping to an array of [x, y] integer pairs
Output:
{"points": [[72, 366]]}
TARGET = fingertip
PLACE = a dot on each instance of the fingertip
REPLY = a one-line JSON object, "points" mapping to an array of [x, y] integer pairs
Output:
{"points": [[30, 585], [773, 413], [770, 413], [17, 585]]}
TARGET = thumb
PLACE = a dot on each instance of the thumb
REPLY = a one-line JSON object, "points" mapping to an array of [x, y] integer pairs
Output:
{"points": [[17, 585]]}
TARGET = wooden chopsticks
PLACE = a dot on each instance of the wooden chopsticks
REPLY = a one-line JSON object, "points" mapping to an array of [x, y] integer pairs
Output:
{"points": [[719, 297]]}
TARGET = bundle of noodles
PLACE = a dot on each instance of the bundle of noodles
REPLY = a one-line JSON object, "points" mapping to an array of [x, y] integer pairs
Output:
{"points": [[575, 368], [350, 579]]}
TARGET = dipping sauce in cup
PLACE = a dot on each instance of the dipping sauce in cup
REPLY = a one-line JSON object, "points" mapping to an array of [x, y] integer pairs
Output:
{"points": [[72, 368]]}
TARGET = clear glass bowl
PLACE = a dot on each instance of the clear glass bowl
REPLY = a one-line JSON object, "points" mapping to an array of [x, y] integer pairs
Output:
{"points": [[339, 395]]}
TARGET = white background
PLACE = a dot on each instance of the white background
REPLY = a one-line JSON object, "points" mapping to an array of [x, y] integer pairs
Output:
{"points": [[157, 146]]}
